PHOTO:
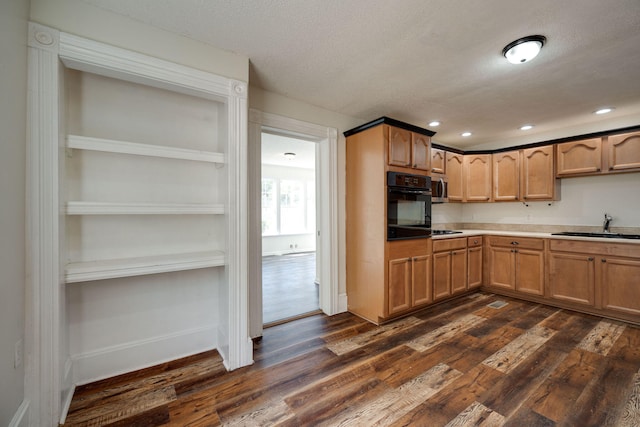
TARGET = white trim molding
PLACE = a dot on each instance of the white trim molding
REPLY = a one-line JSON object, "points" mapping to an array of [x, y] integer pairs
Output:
{"points": [[50, 51], [327, 173]]}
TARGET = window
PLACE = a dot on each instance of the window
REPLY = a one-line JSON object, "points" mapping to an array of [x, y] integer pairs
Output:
{"points": [[288, 206]]}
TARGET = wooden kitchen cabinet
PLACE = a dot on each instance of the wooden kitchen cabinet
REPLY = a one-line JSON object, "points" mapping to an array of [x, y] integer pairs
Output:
{"points": [[582, 157], [454, 168], [538, 180], [409, 281], [623, 152], [506, 176], [474, 261], [602, 277], [572, 277], [449, 267], [477, 178], [408, 149], [438, 161], [516, 264]]}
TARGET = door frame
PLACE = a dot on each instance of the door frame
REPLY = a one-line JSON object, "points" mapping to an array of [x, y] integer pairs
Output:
{"points": [[326, 212]]}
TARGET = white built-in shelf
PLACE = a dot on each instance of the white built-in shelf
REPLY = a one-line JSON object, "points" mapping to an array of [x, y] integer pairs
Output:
{"points": [[124, 147], [118, 208], [76, 272]]}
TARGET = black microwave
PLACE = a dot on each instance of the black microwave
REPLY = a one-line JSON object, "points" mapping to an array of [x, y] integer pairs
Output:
{"points": [[439, 188]]}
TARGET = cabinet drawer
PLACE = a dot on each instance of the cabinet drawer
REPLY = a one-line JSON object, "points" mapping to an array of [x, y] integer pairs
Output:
{"points": [[520, 242], [408, 248], [631, 250], [449, 244], [474, 241]]}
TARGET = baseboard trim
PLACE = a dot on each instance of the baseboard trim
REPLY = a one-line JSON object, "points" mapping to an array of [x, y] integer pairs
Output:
{"points": [[120, 359], [21, 417], [66, 403]]}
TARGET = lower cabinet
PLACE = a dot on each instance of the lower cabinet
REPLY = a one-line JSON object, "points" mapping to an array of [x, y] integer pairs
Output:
{"points": [[409, 275], [602, 276], [474, 261], [449, 267], [516, 264]]}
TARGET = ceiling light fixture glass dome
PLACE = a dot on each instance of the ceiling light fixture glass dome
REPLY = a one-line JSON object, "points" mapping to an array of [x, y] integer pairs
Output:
{"points": [[524, 49]]}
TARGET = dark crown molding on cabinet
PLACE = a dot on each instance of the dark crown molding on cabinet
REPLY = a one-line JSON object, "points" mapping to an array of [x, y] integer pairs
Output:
{"points": [[413, 128]]}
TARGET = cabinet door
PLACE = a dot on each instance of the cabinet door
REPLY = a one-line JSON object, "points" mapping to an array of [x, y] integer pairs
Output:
{"points": [[477, 177], [621, 285], [399, 150], [624, 152], [458, 271], [421, 280], [506, 176], [399, 285], [501, 267], [579, 157], [437, 161], [572, 278], [530, 271], [421, 152], [454, 175], [441, 275], [538, 181], [474, 256]]}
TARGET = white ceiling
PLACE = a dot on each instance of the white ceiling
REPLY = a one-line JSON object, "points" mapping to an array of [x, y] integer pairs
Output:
{"points": [[274, 146], [422, 60]]}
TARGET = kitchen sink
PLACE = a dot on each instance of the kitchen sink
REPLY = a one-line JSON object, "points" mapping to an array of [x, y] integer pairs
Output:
{"points": [[606, 235]]}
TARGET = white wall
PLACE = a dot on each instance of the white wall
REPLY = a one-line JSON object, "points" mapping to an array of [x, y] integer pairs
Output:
{"points": [[290, 243], [82, 19], [13, 87], [583, 202]]}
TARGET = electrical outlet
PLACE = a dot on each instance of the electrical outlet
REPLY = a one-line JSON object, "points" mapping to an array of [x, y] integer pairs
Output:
{"points": [[17, 354]]}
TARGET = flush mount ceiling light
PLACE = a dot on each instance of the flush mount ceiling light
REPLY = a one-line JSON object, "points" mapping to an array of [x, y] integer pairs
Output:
{"points": [[524, 49], [434, 123], [289, 156], [526, 127], [465, 134]]}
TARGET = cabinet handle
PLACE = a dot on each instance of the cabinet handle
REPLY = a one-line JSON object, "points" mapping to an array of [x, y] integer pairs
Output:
{"points": [[515, 243], [475, 242], [590, 259], [604, 260]]}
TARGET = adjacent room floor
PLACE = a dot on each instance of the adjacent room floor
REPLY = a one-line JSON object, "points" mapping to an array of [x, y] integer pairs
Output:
{"points": [[462, 363], [288, 288]]}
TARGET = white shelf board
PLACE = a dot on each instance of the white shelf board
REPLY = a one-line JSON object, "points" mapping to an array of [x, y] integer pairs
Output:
{"points": [[118, 208], [76, 272], [149, 150]]}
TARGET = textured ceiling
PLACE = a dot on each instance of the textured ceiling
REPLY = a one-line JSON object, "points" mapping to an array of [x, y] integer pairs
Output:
{"points": [[422, 60]]}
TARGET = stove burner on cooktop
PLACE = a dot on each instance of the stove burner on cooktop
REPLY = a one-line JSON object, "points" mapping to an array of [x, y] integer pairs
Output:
{"points": [[439, 232]]}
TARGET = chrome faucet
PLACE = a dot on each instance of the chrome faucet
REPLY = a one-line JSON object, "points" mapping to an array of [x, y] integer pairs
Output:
{"points": [[607, 221]]}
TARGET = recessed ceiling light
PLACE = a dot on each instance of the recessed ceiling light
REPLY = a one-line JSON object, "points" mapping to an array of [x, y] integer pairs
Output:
{"points": [[526, 127], [603, 110], [434, 123], [465, 134], [524, 49]]}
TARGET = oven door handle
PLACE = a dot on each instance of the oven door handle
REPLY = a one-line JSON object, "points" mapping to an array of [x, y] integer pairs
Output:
{"points": [[403, 191]]}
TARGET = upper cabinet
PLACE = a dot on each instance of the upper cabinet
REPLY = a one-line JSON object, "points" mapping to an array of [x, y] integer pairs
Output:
{"points": [[506, 176], [537, 178], [454, 168], [623, 152], [408, 149], [438, 161], [477, 177], [579, 157], [602, 155]]}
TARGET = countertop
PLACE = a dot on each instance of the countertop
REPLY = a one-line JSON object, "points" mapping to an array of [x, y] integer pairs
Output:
{"points": [[467, 233]]}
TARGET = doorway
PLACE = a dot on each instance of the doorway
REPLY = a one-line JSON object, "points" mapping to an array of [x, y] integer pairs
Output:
{"points": [[288, 226]]}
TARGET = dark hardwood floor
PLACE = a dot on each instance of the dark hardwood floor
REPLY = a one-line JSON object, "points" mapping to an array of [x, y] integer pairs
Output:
{"points": [[461, 363], [288, 288]]}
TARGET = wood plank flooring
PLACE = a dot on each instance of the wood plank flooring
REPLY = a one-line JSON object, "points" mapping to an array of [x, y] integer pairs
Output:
{"points": [[288, 286], [457, 364]]}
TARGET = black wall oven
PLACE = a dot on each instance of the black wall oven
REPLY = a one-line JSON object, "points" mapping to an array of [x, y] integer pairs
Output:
{"points": [[408, 206]]}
